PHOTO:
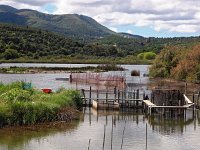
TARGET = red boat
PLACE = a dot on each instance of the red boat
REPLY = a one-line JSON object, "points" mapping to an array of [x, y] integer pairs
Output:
{"points": [[47, 90]]}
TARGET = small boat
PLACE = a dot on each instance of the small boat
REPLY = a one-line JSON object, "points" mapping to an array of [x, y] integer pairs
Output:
{"points": [[47, 90]]}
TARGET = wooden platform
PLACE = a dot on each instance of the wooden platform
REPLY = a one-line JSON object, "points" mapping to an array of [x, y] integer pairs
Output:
{"points": [[188, 104], [105, 105], [148, 103]]}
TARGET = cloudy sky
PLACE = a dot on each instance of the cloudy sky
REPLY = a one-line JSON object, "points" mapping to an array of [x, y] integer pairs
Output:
{"points": [[158, 18]]}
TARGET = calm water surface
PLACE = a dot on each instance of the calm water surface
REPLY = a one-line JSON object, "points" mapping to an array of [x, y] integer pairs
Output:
{"points": [[163, 134], [47, 80]]}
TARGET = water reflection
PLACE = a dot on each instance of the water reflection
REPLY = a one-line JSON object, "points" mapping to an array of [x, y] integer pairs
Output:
{"points": [[163, 133]]}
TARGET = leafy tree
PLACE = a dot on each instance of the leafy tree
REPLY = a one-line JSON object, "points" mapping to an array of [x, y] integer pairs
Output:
{"points": [[10, 54]]}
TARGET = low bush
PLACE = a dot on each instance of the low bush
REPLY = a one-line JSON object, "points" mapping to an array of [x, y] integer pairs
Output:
{"points": [[20, 106]]}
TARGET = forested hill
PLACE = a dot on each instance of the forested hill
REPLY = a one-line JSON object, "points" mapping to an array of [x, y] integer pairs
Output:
{"points": [[132, 46], [33, 43], [71, 25]]}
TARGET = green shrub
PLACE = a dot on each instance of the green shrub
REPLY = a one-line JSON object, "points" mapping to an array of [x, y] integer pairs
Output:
{"points": [[24, 107], [146, 56]]}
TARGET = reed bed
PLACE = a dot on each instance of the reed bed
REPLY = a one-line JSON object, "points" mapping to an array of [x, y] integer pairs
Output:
{"points": [[19, 106]]}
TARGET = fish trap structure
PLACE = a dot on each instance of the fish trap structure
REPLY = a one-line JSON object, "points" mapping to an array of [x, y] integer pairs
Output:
{"points": [[167, 97], [98, 79]]}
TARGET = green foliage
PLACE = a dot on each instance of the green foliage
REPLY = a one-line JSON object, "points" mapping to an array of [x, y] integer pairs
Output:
{"points": [[146, 56], [22, 107], [164, 62], [135, 46], [10, 54], [181, 63], [30, 43], [149, 55]]}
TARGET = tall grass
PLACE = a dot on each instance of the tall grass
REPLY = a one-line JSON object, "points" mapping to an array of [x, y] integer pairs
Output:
{"points": [[24, 107]]}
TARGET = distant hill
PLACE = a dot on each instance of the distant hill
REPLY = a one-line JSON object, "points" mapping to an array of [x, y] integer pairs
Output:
{"points": [[6, 8], [70, 25]]}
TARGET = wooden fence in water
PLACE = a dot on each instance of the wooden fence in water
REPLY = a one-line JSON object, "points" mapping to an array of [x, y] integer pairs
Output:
{"points": [[98, 79]]}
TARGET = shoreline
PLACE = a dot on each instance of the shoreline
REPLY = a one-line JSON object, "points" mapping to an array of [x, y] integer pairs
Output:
{"points": [[33, 70]]}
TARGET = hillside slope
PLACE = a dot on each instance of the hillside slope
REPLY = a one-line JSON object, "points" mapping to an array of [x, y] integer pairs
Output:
{"points": [[33, 43], [71, 25]]}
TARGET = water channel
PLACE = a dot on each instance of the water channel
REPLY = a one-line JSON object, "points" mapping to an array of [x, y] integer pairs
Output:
{"points": [[165, 134]]}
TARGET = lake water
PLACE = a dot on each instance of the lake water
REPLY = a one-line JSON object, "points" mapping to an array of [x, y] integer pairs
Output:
{"points": [[47, 80], [163, 134], [178, 134]]}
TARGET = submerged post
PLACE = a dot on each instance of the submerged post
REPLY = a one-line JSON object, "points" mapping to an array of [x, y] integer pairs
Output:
{"points": [[106, 97], [97, 95], [90, 99], [118, 95], [198, 99], [115, 92], [137, 97]]}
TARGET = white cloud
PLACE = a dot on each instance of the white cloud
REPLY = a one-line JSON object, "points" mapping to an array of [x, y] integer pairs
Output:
{"points": [[129, 31], [113, 29], [171, 15]]}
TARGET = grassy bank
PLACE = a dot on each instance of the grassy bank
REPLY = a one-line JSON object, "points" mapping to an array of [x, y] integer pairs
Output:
{"points": [[131, 59], [99, 68], [19, 106]]}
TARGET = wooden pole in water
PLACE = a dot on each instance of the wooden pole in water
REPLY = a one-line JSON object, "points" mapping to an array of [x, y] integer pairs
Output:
{"points": [[90, 99], [89, 144], [115, 92], [198, 99], [97, 95], [104, 136], [137, 97], [146, 136], [118, 95], [106, 96], [185, 88], [193, 100]]}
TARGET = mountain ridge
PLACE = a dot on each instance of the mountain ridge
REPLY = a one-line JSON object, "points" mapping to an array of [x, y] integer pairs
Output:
{"points": [[70, 25]]}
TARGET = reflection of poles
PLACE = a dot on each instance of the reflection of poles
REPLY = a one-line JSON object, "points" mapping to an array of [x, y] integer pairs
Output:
{"points": [[104, 136], [123, 135], [90, 120], [112, 133], [89, 144], [146, 136]]}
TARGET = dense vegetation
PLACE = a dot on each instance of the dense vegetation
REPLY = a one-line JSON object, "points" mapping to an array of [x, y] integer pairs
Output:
{"points": [[20, 105], [134, 46], [31, 43], [178, 62], [26, 44], [99, 68]]}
